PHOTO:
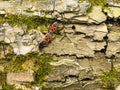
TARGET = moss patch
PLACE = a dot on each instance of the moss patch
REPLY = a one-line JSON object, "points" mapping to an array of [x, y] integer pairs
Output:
{"points": [[42, 28], [39, 65], [5, 49], [31, 22], [20, 63], [102, 3], [97, 2], [44, 68], [109, 79], [15, 64], [22, 0]]}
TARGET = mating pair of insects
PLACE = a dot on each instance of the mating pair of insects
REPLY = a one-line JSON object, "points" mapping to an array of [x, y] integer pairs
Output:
{"points": [[48, 36]]}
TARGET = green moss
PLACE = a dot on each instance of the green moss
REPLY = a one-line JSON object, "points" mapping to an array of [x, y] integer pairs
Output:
{"points": [[97, 2], [37, 0], [43, 28], [22, 0], [3, 43], [41, 65], [44, 68], [109, 78], [16, 63], [102, 3], [31, 22], [5, 49], [2, 19], [29, 11]]}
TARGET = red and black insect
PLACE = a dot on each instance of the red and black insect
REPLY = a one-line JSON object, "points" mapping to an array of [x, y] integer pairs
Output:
{"points": [[48, 36], [53, 27]]}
